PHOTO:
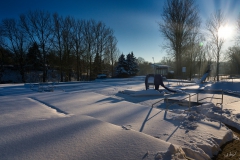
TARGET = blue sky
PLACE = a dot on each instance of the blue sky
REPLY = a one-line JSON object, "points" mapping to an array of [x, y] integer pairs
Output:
{"points": [[133, 21]]}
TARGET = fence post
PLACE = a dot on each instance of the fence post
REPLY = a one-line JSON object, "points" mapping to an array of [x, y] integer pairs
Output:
{"points": [[167, 103], [189, 104], [222, 96], [197, 97]]}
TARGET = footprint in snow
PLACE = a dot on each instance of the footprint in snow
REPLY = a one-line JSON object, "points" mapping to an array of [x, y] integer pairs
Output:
{"points": [[126, 127]]}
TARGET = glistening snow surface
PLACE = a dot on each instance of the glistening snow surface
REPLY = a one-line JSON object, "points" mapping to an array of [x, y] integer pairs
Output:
{"points": [[111, 119]]}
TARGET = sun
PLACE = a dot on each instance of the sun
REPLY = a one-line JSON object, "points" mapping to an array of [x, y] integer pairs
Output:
{"points": [[225, 32]]}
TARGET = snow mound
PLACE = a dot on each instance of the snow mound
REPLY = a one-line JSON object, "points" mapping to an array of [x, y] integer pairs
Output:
{"points": [[175, 151], [203, 135], [217, 113]]}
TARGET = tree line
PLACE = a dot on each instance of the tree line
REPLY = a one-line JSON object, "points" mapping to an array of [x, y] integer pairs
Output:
{"points": [[39, 40], [186, 44]]}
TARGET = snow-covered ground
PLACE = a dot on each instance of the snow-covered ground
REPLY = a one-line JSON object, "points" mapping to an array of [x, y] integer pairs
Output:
{"points": [[114, 119]]}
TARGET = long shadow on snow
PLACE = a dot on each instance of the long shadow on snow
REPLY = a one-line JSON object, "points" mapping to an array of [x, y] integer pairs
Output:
{"points": [[112, 100], [138, 99], [28, 143], [165, 118], [50, 106], [170, 120], [147, 118]]}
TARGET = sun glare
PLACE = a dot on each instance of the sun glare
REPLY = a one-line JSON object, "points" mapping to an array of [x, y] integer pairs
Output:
{"points": [[226, 32]]}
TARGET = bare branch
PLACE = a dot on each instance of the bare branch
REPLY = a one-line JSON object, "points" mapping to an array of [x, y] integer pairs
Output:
{"points": [[213, 25], [180, 24]]}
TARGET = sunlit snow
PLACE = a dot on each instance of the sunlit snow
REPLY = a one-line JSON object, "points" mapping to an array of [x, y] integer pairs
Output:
{"points": [[115, 119]]}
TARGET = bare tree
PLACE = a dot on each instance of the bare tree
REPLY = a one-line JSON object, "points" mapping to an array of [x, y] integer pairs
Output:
{"points": [[203, 58], [144, 67], [192, 52], [17, 42], [57, 41], [62, 41], [88, 39], [179, 22], [112, 52], [213, 25], [233, 57], [140, 60], [238, 31], [233, 53], [1, 51], [38, 25], [78, 45], [1, 36], [68, 35], [103, 38]]}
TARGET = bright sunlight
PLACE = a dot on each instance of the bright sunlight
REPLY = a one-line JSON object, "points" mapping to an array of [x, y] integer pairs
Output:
{"points": [[226, 32]]}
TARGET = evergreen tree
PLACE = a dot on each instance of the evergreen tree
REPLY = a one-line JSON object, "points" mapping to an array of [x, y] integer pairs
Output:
{"points": [[34, 57], [121, 69], [132, 66]]}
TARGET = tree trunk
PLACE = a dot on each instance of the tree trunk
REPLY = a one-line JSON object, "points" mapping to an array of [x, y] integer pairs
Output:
{"points": [[217, 67]]}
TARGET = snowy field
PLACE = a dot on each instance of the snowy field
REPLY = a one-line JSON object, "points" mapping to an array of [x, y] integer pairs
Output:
{"points": [[114, 119]]}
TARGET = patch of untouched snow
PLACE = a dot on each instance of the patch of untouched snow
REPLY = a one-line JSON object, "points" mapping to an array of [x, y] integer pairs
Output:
{"points": [[80, 137], [22, 110]]}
